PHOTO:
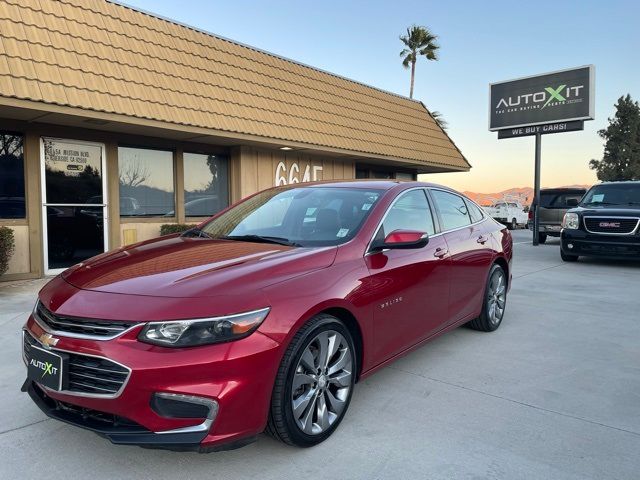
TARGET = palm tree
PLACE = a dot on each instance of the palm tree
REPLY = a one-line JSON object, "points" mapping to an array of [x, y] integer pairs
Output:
{"points": [[418, 41], [439, 118]]}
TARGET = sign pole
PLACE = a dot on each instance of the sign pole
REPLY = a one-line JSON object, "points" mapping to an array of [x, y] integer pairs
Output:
{"points": [[536, 191]]}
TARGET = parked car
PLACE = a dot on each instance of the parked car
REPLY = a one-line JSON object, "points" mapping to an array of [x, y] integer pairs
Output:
{"points": [[554, 203], [128, 205], [263, 317], [606, 223], [508, 212], [200, 207]]}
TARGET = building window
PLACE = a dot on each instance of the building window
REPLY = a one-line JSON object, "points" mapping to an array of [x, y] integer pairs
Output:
{"points": [[382, 173], [12, 200], [206, 184], [405, 176], [146, 182]]}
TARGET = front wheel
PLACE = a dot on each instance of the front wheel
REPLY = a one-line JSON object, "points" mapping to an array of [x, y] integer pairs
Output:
{"points": [[495, 301], [514, 224], [314, 383], [542, 237]]}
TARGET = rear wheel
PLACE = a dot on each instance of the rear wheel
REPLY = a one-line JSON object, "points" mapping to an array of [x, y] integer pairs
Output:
{"points": [[566, 257], [495, 301], [314, 383], [514, 224], [542, 237]]}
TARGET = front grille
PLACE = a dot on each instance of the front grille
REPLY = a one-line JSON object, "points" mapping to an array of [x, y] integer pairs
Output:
{"points": [[84, 326], [87, 374], [616, 226]]}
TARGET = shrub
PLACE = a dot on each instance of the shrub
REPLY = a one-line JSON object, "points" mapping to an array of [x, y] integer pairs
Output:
{"points": [[7, 245], [169, 228]]}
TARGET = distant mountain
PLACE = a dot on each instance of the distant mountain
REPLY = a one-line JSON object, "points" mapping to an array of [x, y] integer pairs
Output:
{"points": [[523, 194]]}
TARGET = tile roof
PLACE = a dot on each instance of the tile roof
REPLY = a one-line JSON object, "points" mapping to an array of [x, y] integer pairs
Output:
{"points": [[102, 56]]}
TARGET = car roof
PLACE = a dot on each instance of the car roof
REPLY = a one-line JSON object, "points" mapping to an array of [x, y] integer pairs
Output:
{"points": [[563, 190], [622, 182], [382, 184]]}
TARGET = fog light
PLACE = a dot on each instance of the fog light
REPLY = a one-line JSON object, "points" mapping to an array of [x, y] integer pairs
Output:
{"points": [[176, 405], [570, 246]]}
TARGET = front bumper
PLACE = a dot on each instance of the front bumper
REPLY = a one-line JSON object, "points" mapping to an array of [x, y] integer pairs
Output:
{"points": [[581, 243], [550, 229], [119, 430], [237, 375]]}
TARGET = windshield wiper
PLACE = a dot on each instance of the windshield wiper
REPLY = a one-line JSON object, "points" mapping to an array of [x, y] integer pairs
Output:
{"points": [[195, 232], [261, 239]]}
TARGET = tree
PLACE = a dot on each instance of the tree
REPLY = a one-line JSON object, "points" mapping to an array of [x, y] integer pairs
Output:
{"points": [[621, 159], [418, 41], [134, 173], [439, 118]]}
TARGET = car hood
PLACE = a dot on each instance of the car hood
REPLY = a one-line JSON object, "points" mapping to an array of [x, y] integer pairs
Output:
{"points": [[190, 267], [609, 210]]}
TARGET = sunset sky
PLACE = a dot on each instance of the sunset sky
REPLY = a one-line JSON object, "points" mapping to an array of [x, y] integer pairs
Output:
{"points": [[482, 42]]}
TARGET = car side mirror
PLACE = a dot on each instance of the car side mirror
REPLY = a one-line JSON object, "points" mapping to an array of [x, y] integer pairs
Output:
{"points": [[403, 239], [572, 202]]}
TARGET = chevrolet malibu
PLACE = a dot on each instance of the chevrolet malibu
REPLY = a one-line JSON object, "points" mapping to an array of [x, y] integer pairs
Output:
{"points": [[264, 317]]}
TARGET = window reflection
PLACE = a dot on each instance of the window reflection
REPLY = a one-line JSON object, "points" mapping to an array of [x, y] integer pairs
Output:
{"points": [[73, 171], [146, 182], [12, 203], [206, 183]]}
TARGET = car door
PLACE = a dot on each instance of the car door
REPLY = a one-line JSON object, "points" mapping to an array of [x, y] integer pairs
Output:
{"points": [[410, 286], [470, 252]]}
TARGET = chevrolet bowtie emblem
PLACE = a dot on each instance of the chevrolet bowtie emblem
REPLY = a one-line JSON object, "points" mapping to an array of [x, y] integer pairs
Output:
{"points": [[48, 340]]}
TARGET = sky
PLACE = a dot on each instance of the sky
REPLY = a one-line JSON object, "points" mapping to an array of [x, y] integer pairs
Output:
{"points": [[481, 42]]}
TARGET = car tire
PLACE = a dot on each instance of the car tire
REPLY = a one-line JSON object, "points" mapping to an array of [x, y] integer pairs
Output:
{"points": [[542, 237], [514, 224], [494, 303], [566, 257], [290, 419]]}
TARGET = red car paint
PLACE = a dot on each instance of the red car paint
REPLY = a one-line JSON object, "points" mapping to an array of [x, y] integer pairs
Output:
{"points": [[425, 291]]}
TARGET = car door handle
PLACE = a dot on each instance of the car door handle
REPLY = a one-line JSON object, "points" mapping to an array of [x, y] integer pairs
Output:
{"points": [[482, 239], [440, 252]]}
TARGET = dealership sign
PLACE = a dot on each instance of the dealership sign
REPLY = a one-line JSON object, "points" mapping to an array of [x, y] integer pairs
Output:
{"points": [[542, 129], [550, 98]]}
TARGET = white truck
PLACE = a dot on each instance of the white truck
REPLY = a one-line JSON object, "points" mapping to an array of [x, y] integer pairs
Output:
{"points": [[509, 212]]}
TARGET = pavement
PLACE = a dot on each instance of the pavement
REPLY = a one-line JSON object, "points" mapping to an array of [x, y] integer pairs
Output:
{"points": [[553, 394]]}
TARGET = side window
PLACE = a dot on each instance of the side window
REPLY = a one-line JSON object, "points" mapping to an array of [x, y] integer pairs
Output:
{"points": [[453, 209], [409, 212], [474, 212]]}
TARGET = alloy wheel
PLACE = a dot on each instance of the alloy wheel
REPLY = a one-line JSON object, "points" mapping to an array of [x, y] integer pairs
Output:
{"points": [[496, 296], [322, 382]]}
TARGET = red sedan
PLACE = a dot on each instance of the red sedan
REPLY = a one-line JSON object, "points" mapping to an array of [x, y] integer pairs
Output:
{"points": [[265, 316]]}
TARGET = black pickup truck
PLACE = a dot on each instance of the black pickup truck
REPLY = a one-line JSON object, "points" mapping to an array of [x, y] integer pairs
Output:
{"points": [[606, 223]]}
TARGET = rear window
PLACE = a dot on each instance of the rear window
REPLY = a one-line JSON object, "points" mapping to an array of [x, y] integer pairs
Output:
{"points": [[558, 199]]}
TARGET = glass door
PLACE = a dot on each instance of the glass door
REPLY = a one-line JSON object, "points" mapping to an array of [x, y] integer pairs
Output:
{"points": [[74, 213]]}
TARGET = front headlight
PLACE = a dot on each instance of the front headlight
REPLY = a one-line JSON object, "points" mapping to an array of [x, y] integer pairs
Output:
{"points": [[202, 331], [571, 221]]}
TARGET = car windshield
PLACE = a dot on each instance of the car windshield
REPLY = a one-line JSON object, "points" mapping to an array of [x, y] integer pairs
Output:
{"points": [[613, 194], [301, 216]]}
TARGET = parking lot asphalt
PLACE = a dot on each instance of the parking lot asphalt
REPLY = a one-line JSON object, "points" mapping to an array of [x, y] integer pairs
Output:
{"points": [[553, 394]]}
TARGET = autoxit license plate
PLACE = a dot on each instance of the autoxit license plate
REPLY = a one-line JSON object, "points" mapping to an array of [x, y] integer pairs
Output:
{"points": [[46, 368]]}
